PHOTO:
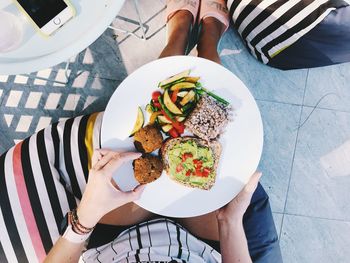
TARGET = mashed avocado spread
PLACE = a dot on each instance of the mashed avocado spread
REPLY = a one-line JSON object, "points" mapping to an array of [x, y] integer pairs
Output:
{"points": [[189, 162]]}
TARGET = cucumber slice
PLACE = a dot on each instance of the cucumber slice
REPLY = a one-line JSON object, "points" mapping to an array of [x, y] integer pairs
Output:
{"points": [[174, 78], [162, 119]]}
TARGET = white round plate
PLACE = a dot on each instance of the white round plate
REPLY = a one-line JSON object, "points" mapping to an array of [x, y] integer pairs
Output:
{"points": [[242, 142]]}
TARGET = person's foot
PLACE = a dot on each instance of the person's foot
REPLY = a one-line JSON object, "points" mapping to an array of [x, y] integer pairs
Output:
{"points": [[181, 15], [214, 19]]}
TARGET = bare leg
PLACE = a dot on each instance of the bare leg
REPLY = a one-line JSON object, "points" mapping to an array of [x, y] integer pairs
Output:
{"points": [[178, 29], [129, 214], [209, 39], [205, 226]]}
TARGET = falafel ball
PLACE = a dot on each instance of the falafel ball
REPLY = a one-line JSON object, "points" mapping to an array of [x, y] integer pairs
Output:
{"points": [[148, 139], [147, 168]]}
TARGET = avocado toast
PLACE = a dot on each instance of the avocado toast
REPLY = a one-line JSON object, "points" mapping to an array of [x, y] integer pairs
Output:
{"points": [[191, 161]]}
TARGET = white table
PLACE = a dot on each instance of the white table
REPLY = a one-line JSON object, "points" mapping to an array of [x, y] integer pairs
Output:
{"points": [[36, 53]]}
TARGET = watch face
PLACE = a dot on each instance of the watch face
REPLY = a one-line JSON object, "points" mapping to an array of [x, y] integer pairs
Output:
{"points": [[64, 225]]}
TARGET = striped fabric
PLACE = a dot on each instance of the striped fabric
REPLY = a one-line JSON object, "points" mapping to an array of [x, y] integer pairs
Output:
{"points": [[158, 240], [270, 26], [41, 179]]}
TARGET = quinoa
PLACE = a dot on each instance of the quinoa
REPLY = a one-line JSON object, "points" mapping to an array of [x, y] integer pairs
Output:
{"points": [[209, 119]]}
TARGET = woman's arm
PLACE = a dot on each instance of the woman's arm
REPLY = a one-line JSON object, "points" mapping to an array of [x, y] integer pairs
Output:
{"points": [[99, 198], [233, 242]]}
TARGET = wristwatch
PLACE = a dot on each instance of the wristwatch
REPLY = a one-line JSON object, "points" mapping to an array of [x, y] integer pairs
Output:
{"points": [[69, 234]]}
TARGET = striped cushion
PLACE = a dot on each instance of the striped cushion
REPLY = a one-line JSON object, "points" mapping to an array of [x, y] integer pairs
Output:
{"points": [[41, 179]]}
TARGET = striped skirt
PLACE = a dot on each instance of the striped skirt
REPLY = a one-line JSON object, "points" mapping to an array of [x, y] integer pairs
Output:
{"points": [[41, 179]]}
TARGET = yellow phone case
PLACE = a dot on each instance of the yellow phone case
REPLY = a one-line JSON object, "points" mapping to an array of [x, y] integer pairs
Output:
{"points": [[41, 33]]}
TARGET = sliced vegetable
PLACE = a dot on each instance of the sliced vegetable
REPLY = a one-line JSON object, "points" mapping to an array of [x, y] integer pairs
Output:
{"points": [[211, 94], [140, 119], [165, 110], [190, 96], [180, 119], [174, 78], [171, 105], [188, 107], [192, 79], [173, 133], [179, 126], [154, 116], [182, 94], [174, 96], [183, 85], [163, 119], [167, 127], [149, 108]]}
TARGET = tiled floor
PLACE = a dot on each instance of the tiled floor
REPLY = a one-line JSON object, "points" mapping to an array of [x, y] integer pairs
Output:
{"points": [[306, 158]]}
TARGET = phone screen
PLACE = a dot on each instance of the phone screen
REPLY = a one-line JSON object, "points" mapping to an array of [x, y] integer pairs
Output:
{"points": [[42, 11]]}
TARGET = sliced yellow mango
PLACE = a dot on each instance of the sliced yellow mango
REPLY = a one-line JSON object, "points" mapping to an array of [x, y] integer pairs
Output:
{"points": [[183, 85], [170, 105], [140, 119]]}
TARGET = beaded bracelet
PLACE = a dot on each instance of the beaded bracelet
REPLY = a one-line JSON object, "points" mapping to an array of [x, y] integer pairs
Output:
{"points": [[76, 225]]}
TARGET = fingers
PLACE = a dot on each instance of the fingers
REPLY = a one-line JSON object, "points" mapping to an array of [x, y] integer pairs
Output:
{"points": [[136, 193], [118, 160], [96, 156], [104, 160], [253, 182]]}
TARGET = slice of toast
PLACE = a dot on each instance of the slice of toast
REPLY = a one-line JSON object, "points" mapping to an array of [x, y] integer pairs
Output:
{"points": [[215, 146]]}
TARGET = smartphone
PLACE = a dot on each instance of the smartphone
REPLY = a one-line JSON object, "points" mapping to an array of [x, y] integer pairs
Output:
{"points": [[47, 15]]}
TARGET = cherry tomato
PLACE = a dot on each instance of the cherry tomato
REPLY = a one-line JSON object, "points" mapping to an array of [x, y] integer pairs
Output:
{"points": [[155, 95], [185, 156], [174, 96], [206, 172], [198, 173], [156, 104], [188, 173], [179, 168], [173, 133]]}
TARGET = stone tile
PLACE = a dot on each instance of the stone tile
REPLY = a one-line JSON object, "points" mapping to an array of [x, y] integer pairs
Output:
{"points": [[280, 130], [101, 59], [135, 52], [264, 82], [333, 80], [312, 240], [277, 217], [321, 173]]}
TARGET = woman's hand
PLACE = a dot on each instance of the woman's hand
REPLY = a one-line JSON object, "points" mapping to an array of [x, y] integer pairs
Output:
{"points": [[235, 210], [101, 194]]}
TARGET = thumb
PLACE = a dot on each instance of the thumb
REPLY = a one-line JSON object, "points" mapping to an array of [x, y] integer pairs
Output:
{"points": [[253, 182], [135, 194]]}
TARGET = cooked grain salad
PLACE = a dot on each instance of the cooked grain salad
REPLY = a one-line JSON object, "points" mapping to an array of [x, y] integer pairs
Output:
{"points": [[209, 119]]}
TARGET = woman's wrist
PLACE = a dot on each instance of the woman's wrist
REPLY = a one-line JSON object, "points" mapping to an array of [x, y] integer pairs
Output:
{"points": [[88, 219], [235, 220]]}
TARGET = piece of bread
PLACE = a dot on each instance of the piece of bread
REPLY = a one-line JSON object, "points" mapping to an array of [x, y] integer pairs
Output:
{"points": [[215, 146], [147, 168], [148, 139]]}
